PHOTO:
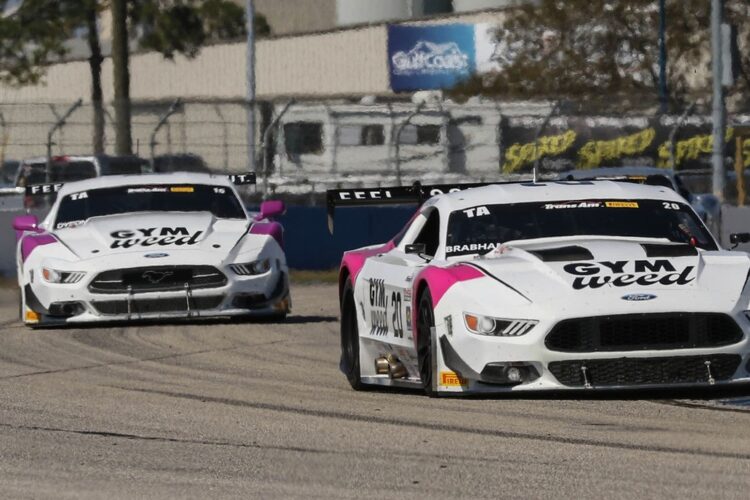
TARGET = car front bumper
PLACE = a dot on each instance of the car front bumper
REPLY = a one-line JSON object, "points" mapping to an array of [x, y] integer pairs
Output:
{"points": [[259, 295], [470, 363]]}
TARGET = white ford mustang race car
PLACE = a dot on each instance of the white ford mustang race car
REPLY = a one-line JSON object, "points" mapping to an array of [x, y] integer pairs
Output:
{"points": [[543, 286], [150, 246]]}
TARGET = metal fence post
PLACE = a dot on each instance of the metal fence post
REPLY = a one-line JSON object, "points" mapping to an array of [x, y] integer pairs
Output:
{"points": [[58, 124], [399, 130], [673, 134], [160, 124], [539, 131], [263, 145]]}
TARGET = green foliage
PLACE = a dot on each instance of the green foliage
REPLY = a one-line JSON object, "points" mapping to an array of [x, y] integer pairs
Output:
{"points": [[35, 35], [594, 48], [183, 26]]}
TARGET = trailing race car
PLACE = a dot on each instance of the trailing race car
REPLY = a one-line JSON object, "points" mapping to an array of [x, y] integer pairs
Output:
{"points": [[150, 246], [543, 286], [707, 206]]}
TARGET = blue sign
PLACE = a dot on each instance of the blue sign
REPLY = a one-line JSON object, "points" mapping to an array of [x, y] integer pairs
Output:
{"points": [[430, 57]]}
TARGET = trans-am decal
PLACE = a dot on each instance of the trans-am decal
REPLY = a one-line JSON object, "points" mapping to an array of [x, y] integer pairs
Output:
{"points": [[153, 236], [625, 273]]}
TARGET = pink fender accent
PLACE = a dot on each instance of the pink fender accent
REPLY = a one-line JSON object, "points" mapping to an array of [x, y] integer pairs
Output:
{"points": [[273, 229], [355, 259], [439, 280], [31, 241]]}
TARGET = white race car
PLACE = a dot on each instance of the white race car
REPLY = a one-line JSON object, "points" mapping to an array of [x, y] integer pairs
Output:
{"points": [[150, 246], [543, 286]]}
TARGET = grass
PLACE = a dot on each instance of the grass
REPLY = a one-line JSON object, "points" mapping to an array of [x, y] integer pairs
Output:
{"points": [[305, 277]]}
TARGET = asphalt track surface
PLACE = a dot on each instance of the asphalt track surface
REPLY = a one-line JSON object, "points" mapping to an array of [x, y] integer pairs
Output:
{"points": [[260, 410]]}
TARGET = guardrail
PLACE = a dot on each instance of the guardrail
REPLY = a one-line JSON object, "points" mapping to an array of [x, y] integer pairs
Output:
{"points": [[11, 199]]}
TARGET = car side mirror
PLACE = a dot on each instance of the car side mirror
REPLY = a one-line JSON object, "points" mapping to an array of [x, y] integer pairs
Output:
{"points": [[417, 248], [737, 238], [25, 223], [271, 208]]}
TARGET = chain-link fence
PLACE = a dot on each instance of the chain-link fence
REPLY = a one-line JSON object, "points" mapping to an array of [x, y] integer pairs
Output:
{"points": [[306, 147], [216, 132]]}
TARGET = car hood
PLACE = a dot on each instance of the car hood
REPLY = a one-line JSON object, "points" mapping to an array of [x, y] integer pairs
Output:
{"points": [[560, 270], [151, 232]]}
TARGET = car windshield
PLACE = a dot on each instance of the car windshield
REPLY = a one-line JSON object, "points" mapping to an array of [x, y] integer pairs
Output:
{"points": [[79, 207], [481, 229]]}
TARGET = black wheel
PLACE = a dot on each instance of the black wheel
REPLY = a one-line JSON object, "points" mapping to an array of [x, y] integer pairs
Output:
{"points": [[425, 322], [350, 338]]}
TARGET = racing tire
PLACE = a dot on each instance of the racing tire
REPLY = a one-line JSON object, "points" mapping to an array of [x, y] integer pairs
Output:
{"points": [[20, 305], [350, 339], [425, 323]]}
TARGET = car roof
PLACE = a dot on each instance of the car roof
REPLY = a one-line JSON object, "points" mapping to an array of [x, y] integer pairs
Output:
{"points": [[528, 192], [615, 171], [150, 179]]}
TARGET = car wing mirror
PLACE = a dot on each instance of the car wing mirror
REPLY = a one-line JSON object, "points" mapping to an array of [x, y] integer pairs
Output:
{"points": [[737, 238], [25, 223], [271, 209], [416, 248]]}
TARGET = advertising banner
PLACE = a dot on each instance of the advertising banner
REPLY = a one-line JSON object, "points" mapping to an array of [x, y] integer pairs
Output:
{"points": [[430, 57], [580, 142]]}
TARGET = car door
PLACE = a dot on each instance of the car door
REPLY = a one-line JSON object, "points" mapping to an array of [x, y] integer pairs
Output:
{"points": [[386, 283]]}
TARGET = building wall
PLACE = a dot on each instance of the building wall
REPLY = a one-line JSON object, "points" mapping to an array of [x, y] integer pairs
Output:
{"points": [[366, 11], [294, 16]]}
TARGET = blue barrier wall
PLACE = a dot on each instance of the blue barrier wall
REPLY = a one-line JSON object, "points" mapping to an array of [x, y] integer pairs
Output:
{"points": [[310, 246], [308, 243]]}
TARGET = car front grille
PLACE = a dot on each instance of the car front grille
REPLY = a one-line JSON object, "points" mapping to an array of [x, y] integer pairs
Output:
{"points": [[157, 279], [634, 332], [168, 305], [645, 371]]}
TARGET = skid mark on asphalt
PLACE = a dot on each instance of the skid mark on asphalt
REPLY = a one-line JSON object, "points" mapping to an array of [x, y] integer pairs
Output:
{"points": [[163, 439], [443, 427], [707, 405], [130, 361]]}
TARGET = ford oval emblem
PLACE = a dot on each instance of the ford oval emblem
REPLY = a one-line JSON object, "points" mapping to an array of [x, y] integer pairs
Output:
{"points": [[156, 255], [638, 297]]}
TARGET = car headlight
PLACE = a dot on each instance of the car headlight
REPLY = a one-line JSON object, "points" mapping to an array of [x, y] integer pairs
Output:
{"points": [[252, 268], [68, 277], [486, 325]]}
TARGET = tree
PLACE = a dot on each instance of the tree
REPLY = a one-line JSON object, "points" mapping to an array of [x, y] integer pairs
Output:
{"points": [[34, 37], [121, 69], [601, 48]]}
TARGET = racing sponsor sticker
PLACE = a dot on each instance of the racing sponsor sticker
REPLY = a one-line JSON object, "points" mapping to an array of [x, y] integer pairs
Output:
{"points": [[574, 204], [154, 236], [182, 189], [153, 189], [73, 223], [452, 379], [472, 247], [623, 273], [621, 204]]}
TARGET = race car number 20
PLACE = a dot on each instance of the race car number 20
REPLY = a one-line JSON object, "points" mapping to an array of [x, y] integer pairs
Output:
{"points": [[381, 321]]}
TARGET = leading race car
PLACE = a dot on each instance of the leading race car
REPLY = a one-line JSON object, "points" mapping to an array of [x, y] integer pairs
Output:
{"points": [[150, 246], [543, 286]]}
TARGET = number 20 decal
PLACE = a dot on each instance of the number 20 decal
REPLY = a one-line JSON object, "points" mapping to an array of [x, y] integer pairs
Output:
{"points": [[397, 317], [670, 206]]}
